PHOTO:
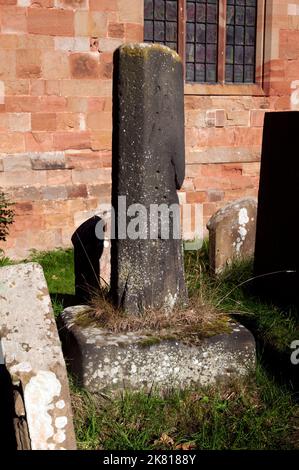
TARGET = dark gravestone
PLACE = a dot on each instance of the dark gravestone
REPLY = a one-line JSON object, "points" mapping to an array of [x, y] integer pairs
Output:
{"points": [[277, 238], [148, 166], [88, 249]]}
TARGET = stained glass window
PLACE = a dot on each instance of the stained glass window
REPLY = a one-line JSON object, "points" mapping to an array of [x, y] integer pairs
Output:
{"points": [[241, 19], [201, 40], [161, 22]]}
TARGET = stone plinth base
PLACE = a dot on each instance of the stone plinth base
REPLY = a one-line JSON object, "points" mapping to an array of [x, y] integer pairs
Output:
{"points": [[102, 360]]}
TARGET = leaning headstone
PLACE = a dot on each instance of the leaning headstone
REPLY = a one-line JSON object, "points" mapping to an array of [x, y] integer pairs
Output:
{"points": [[88, 249], [148, 166], [33, 359], [276, 250], [232, 233]]}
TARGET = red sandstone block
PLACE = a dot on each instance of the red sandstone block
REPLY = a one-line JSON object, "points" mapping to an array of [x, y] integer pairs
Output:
{"points": [[220, 117], [77, 105], [59, 177], [289, 44], [54, 192], [28, 63], [28, 221], [282, 103], [72, 4], [231, 169], [215, 196], [101, 140], [23, 208], [88, 176], [55, 65], [27, 193], [46, 3], [106, 66], [58, 220], [207, 183], [257, 117], [51, 22], [131, 12], [77, 190], [39, 141], [231, 195], [17, 87], [52, 87], [103, 5], [7, 65], [43, 122], [70, 121], [83, 160], [37, 87], [8, 2], [22, 178], [53, 103], [34, 104], [100, 191], [280, 88], [84, 65], [106, 159], [13, 20], [196, 197], [211, 170], [292, 69], [217, 136], [72, 140], [251, 169], [97, 24], [86, 87], [133, 32], [99, 121], [239, 182], [209, 208], [12, 142], [116, 30], [192, 171], [8, 41], [32, 41], [19, 122], [4, 126], [248, 137], [99, 104]]}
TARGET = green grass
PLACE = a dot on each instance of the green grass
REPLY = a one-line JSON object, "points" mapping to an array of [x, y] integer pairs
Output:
{"points": [[251, 414], [58, 266], [230, 293]]}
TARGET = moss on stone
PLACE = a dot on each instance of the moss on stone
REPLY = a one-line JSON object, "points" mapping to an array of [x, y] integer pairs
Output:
{"points": [[143, 50]]}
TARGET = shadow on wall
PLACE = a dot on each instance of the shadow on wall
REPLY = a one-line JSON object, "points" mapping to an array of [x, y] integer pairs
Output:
{"points": [[88, 250]]}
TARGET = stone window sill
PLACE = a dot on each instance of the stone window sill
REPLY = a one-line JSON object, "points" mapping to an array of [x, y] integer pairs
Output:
{"points": [[227, 89]]}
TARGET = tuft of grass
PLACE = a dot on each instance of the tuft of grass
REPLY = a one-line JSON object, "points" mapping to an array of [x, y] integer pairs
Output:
{"points": [[4, 261], [231, 293], [247, 414], [196, 320]]}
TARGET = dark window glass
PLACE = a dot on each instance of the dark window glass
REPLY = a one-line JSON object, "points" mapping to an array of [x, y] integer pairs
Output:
{"points": [[201, 36], [201, 47], [240, 41], [161, 22]]}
